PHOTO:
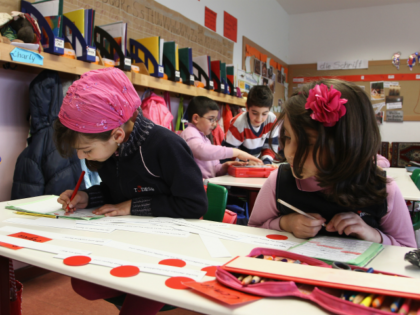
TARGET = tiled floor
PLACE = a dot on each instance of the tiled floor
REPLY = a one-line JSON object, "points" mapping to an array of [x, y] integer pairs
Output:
{"points": [[52, 294]]}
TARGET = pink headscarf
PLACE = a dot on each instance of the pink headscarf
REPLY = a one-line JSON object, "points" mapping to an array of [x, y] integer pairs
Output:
{"points": [[101, 100]]}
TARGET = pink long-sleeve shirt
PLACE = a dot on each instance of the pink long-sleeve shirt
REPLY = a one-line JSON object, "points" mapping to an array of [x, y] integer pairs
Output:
{"points": [[206, 155], [395, 227]]}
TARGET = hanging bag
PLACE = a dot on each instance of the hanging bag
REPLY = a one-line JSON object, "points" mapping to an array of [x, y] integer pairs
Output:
{"points": [[154, 108], [15, 292], [179, 120]]}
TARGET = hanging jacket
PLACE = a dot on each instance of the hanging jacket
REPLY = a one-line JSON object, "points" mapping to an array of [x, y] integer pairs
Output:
{"points": [[40, 170]]}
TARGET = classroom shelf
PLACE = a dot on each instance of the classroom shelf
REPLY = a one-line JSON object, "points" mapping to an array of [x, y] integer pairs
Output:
{"points": [[77, 67]]}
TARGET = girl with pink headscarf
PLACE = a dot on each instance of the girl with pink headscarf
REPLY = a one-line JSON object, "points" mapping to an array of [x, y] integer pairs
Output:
{"points": [[146, 169]]}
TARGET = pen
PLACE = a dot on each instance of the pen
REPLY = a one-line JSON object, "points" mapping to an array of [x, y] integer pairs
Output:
{"points": [[76, 189], [297, 210], [37, 214]]}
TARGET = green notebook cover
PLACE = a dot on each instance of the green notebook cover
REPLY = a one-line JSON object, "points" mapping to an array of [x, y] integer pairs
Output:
{"points": [[169, 58], [222, 71], [347, 250], [185, 62]]}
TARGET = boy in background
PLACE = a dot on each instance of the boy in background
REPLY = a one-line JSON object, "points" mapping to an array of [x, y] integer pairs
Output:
{"points": [[202, 115], [251, 131]]}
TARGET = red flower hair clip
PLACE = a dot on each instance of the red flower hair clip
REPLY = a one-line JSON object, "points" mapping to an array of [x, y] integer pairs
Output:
{"points": [[327, 105]]}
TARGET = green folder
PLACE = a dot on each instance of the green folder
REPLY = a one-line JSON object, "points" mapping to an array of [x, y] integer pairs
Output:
{"points": [[170, 61], [186, 65]]}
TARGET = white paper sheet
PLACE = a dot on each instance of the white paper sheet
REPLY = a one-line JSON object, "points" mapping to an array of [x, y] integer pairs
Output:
{"points": [[215, 246], [42, 246], [133, 220], [162, 254], [44, 205], [60, 224], [333, 248], [262, 241], [56, 236], [198, 228], [157, 269], [141, 228]]}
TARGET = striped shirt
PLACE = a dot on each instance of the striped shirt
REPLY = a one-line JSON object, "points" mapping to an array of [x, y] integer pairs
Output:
{"points": [[243, 136]]}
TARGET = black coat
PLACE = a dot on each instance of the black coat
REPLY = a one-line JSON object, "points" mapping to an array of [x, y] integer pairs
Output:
{"points": [[155, 169], [40, 170]]}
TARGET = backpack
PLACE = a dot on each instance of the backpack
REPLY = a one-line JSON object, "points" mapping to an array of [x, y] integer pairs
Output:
{"points": [[155, 109]]}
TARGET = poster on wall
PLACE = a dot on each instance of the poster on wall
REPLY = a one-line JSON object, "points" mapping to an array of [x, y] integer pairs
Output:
{"points": [[394, 116], [271, 84], [257, 66], [230, 29], [379, 117], [245, 81], [394, 102], [377, 91], [264, 70], [394, 90]]}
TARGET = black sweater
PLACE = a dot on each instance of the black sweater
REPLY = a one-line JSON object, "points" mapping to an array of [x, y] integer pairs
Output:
{"points": [[156, 170]]}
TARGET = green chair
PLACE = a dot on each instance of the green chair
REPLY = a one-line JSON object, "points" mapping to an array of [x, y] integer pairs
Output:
{"points": [[217, 199], [415, 175]]}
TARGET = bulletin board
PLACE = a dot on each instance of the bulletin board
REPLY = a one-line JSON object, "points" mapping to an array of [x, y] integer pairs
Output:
{"points": [[277, 63], [378, 71], [146, 18]]}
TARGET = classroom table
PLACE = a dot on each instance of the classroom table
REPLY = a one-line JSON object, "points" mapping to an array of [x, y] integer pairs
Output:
{"points": [[245, 182], [403, 179], [252, 184], [152, 286]]}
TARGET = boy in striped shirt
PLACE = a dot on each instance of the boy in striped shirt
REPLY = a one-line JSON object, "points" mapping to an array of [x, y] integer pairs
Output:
{"points": [[250, 131]]}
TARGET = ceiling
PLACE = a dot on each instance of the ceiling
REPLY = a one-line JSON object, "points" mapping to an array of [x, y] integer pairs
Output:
{"points": [[307, 6]]}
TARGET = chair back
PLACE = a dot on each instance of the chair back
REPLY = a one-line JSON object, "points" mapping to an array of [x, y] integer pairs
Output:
{"points": [[217, 198], [415, 176]]}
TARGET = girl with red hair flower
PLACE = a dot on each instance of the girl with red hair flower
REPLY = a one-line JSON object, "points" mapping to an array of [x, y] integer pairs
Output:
{"points": [[330, 140]]}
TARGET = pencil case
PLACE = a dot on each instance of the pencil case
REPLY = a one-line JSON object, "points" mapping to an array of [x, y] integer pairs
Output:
{"points": [[238, 171], [326, 297]]}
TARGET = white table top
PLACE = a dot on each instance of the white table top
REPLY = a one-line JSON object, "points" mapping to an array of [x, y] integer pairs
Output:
{"points": [[248, 182], [400, 175], [403, 179], [153, 286]]}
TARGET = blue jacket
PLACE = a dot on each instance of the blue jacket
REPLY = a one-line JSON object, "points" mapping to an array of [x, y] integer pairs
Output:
{"points": [[40, 170]]}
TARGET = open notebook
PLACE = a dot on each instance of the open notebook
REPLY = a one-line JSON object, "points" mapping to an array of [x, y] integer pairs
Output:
{"points": [[346, 250], [49, 205]]}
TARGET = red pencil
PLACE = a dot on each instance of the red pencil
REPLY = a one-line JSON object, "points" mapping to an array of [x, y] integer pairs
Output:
{"points": [[76, 189]]}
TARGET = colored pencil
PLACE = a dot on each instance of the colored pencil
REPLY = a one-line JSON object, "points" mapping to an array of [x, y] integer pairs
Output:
{"points": [[297, 210], [76, 189]]}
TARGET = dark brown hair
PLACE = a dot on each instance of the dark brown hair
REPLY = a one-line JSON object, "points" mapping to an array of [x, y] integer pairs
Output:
{"points": [[260, 96], [346, 152], [65, 140]]}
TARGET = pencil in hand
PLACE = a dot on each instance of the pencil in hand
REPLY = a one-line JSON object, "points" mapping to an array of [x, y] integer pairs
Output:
{"points": [[297, 210], [75, 190]]}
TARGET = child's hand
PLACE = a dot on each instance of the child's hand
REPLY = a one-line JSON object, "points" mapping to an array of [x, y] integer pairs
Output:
{"points": [[349, 223], [301, 226], [122, 208], [80, 201], [246, 157], [226, 165], [253, 162]]}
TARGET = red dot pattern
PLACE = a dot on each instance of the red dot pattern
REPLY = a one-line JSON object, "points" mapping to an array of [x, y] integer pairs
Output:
{"points": [[277, 237], [125, 271], [176, 283], [173, 262], [77, 260], [211, 271]]}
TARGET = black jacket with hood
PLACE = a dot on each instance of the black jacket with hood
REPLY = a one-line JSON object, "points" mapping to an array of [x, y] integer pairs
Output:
{"points": [[40, 170]]}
